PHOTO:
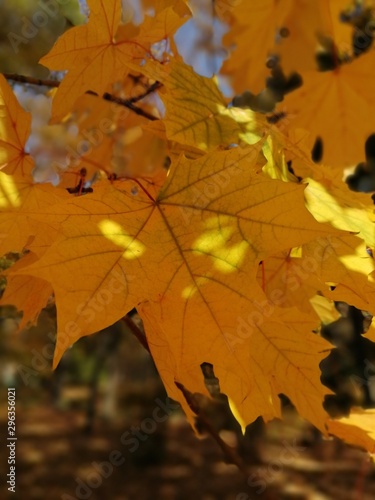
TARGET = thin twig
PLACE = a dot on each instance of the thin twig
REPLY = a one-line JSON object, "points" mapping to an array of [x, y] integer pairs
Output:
{"points": [[137, 332], [228, 451], [155, 86], [31, 80], [128, 103]]}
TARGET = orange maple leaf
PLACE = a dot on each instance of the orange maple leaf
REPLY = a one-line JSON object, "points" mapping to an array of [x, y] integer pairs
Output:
{"points": [[194, 247], [14, 132], [28, 293], [98, 53]]}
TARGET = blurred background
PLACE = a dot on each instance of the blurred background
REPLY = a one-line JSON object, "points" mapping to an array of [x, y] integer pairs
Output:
{"points": [[101, 427]]}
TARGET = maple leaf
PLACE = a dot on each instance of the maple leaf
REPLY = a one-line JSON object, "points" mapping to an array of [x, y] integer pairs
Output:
{"points": [[14, 132], [196, 111], [325, 309], [83, 50], [337, 106], [276, 166], [169, 16], [349, 210], [102, 43], [347, 265], [257, 353], [341, 261], [197, 244], [331, 201], [28, 293], [256, 28], [21, 202], [288, 282], [357, 429]]}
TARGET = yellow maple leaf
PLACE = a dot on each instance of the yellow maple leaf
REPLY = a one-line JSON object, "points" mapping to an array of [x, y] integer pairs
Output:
{"points": [[255, 29], [337, 106], [197, 113], [325, 309], [28, 293], [340, 260], [97, 54], [15, 124], [195, 245], [175, 149], [169, 16], [20, 202], [288, 281], [329, 200], [347, 265], [258, 351], [357, 429]]}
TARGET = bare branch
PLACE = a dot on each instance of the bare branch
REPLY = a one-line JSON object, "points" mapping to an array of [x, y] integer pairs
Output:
{"points": [[127, 103]]}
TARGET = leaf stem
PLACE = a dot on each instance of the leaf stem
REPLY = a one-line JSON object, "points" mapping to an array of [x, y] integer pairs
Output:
{"points": [[143, 189]]}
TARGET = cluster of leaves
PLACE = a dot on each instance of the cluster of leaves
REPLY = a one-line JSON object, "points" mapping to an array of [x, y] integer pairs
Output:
{"points": [[233, 250]]}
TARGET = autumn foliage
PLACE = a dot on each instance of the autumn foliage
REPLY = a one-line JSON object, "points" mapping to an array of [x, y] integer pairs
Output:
{"points": [[211, 217]]}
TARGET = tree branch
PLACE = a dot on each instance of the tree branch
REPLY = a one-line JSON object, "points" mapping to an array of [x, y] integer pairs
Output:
{"points": [[127, 103], [136, 332], [229, 452], [30, 80]]}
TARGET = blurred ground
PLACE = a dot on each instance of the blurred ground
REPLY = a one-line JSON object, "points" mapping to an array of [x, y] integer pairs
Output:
{"points": [[52, 452]]}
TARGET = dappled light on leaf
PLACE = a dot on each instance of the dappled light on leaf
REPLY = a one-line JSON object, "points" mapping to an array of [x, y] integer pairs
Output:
{"points": [[113, 231], [204, 121], [219, 242], [357, 428], [22, 201], [9, 197], [198, 241]]}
